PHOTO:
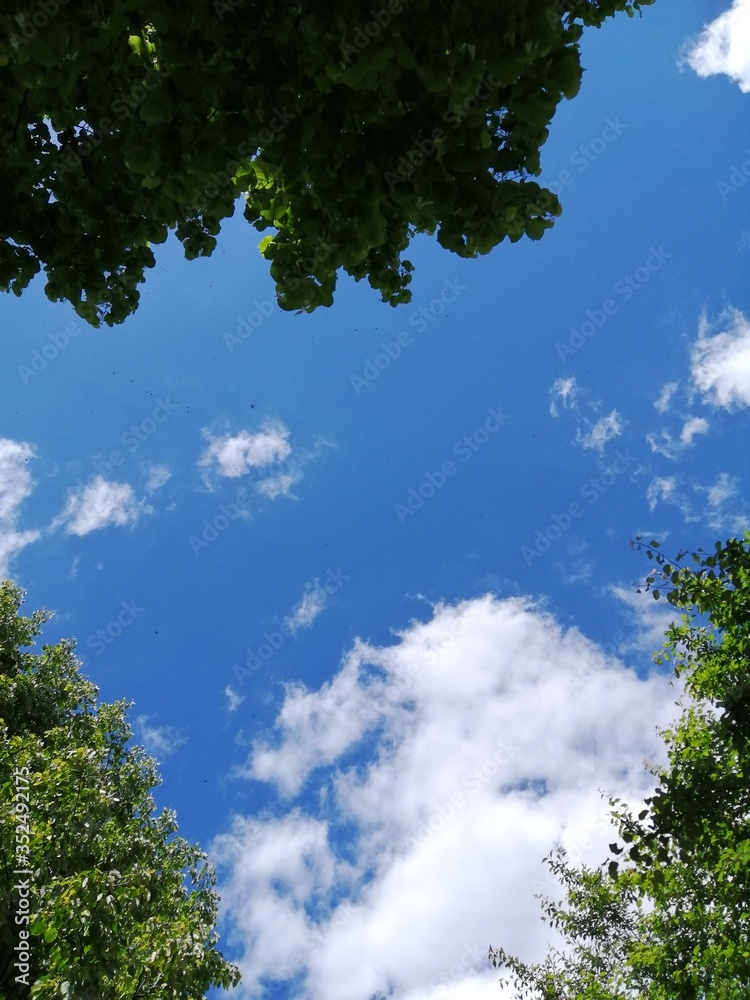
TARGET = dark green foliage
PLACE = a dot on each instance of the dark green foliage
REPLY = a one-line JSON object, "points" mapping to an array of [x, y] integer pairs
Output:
{"points": [[347, 128]]}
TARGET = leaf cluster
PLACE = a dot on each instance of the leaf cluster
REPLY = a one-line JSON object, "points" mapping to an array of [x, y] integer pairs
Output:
{"points": [[347, 130], [667, 916], [120, 906]]}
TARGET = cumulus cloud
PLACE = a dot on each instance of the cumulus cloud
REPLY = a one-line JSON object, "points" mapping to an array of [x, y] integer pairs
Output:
{"points": [[16, 485], [98, 504], [161, 741], [234, 455], [720, 362], [604, 430], [419, 790], [724, 46]]}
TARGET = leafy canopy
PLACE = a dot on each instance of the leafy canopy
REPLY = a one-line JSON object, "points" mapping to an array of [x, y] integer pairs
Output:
{"points": [[118, 905], [347, 128], [668, 916]]}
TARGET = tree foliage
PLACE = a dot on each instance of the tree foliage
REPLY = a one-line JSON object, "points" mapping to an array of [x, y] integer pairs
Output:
{"points": [[348, 128], [109, 902], [668, 915]]}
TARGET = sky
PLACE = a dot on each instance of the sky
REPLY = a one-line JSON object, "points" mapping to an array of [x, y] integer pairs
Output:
{"points": [[365, 573]]}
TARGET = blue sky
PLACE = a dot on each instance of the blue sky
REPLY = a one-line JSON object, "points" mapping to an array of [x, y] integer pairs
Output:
{"points": [[365, 573]]}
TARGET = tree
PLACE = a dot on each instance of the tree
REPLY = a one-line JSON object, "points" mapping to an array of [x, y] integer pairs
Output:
{"points": [[668, 915], [347, 130], [104, 899]]}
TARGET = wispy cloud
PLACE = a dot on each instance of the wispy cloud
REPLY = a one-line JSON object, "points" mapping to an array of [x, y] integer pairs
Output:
{"points": [[649, 620], [234, 699], [726, 510], [310, 606], [16, 485], [603, 431], [724, 46], [665, 397], [161, 741], [565, 392], [99, 504], [278, 486], [664, 444], [665, 489], [157, 476]]}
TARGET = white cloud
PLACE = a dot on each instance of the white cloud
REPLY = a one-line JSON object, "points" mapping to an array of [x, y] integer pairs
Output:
{"points": [[235, 699], [566, 391], [438, 772], [720, 363], [16, 485], [649, 619], [723, 489], [161, 741], [665, 397], [603, 431], [313, 602], [665, 489], [157, 476], [724, 46], [235, 455], [97, 505], [692, 426], [665, 444], [278, 486], [725, 509]]}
